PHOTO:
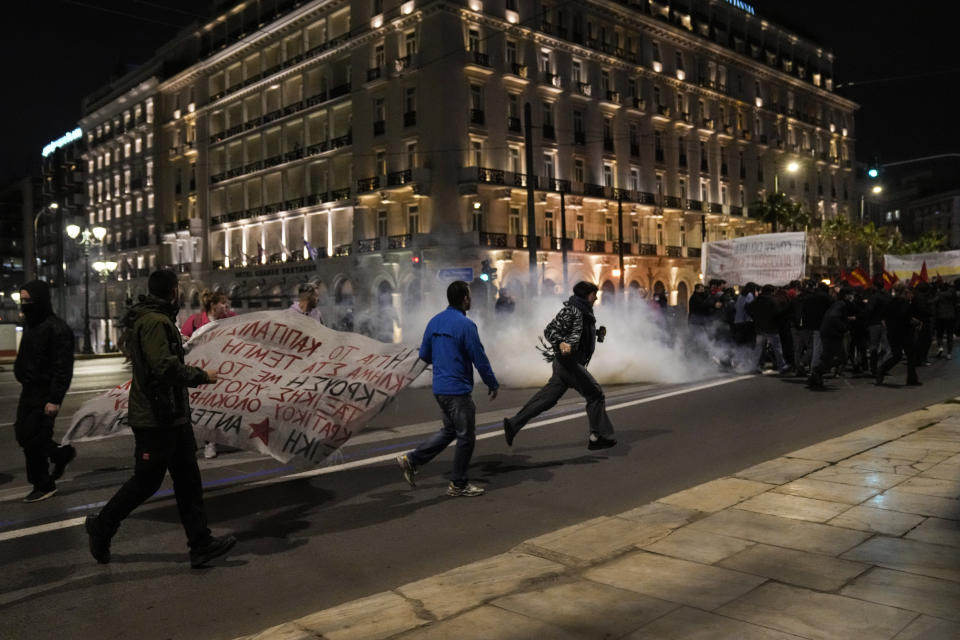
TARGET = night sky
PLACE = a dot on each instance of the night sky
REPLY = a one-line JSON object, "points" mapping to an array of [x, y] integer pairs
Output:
{"points": [[57, 51]]}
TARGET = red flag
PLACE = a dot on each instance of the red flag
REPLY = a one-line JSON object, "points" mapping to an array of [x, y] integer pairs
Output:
{"points": [[923, 272], [914, 280], [858, 278], [844, 277], [889, 279]]}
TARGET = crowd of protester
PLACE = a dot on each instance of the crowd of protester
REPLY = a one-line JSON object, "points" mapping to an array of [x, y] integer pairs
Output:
{"points": [[810, 328]]}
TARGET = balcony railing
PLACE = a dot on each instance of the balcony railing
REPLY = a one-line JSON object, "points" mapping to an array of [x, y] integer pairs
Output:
{"points": [[594, 246], [674, 251], [493, 239], [693, 252], [340, 194], [374, 74], [491, 176], [518, 69], [584, 88], [646, 249], [694, 205], [613, 96], [367, 185], [399, 242], [481, 59], [368, 245], [672, 202], [397, 178], [340, 90]]}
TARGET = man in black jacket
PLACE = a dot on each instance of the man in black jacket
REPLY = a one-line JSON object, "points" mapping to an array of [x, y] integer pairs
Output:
{"points": [[44, 367], [836, 322], [573, 336], [766, 313], [903, 323], [159, 415]]}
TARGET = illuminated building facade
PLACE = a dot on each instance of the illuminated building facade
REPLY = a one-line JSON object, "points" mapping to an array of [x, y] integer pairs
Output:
{"points": [[373, 132]]}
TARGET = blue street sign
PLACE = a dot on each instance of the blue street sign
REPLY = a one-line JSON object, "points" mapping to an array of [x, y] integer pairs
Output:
{"points": [[456, 273]]}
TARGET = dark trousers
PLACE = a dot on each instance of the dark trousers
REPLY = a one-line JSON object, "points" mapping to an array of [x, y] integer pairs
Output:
{"points": [[34, 431], [832, 350], [899, 348], [568, 374], [945, 328], [156, 452], [459, 423]]}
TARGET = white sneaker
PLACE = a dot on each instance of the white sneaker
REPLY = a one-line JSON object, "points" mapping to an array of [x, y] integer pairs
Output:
{"points": [[210, 450]]}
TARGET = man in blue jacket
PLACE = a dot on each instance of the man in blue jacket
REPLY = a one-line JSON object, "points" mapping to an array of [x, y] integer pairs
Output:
{"points": [[452, 345]]}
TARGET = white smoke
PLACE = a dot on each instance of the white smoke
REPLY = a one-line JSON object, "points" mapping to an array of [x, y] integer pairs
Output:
{"points": [[641, 345]]}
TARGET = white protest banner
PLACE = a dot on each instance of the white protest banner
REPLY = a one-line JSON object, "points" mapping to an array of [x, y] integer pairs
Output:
{"points": [[769, 258], [944, 263], [287, 386]]}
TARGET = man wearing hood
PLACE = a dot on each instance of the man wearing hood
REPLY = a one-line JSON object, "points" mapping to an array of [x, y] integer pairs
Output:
{"points": [[159, 415], [573, 336], [44, 367]]}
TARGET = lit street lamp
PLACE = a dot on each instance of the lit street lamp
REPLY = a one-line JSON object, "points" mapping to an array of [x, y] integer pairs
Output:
{"points": [[53, 206], [105, 268], [86, 238], [792, 167]]}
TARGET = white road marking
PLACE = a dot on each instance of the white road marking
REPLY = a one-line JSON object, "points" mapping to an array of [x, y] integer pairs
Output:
{"points": [[74, 522]]}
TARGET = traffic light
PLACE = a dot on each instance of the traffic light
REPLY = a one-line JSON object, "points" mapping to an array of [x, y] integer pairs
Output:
{"points": [[487, 272], [416, 260], [873, 171]]}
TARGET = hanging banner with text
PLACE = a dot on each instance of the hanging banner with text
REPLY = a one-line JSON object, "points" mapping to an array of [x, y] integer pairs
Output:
{"points": [[769, 258], [287, 386], [943, 263]]}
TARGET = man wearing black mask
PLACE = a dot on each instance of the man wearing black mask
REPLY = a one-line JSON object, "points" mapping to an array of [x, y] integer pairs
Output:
{"points": [[44, 367], [573, 336]]}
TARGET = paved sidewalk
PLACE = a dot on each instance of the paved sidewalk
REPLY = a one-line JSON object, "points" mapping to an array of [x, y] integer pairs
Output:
{"points": [[854, 538]]}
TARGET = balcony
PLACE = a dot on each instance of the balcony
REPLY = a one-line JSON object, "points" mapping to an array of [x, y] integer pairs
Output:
{"points": [[672, 202], [341, 141], [340, 90], [520, 180], [480, 59], [551, 79], [366, 185], [646, 249], [513, 124], [379, 127], [409, 118], [400, 241], [293, 107], [398, 178], [584, 88], [548, 132], [594, 190], [694, 205], [340, 194], [736, 211], [400, 64], [476, 116], [519, 70], [594, 246], [374, 74], [560, 186], [638, 103], [497, 240], [295, 154], [673, 251], [368, 245], [276, 114], [490, 176], [693, 252], [613, 96]]}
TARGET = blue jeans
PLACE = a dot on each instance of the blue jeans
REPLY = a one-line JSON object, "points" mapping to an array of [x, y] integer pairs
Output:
{"points": [[459, 423]]}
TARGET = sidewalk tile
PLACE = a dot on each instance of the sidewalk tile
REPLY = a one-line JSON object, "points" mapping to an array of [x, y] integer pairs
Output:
{"points": [[937, 531], [588, 542], [717, 494], [944, 442], [488, 622], [698, 546], [800, 568], [859, 477], [286, 631], [781, 532], [838, 448], [927, 628], [947, 470], [826, 490], [912, 556], [464, 587], [932, 596], [916, 503], [666, 515], [377, 616], [588, 608], [932, 487], [692, 624], [873, 461], [885, 521], [780, 470], [788, 506], [922, 453], [815, 615], [697, 585]]}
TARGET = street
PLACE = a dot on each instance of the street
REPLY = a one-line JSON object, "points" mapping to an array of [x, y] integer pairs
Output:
{"points": [[341, 532]]}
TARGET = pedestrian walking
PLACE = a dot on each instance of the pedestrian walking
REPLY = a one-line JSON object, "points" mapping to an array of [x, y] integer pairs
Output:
{"points": [[44, 368], [946, 318], [902, 320], [159, 415], [573, 336], [767, 313], [452, 345], [836, 323]]}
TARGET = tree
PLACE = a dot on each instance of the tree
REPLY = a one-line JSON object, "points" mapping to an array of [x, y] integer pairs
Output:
{"points": [[781, 211], [929, 242]]}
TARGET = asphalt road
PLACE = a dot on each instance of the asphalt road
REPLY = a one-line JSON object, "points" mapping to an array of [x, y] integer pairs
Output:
{"points": [[312, 542]]}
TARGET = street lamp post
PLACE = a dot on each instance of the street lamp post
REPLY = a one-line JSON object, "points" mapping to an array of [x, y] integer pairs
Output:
{"points": [[86, 238], [792, 167], [53, 206], [105, 268]]}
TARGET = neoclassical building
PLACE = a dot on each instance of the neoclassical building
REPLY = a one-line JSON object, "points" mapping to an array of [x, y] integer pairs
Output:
{"points": [[367, 145]]}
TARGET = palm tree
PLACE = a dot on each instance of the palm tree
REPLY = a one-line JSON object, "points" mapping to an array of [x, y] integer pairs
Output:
{"points": [[779, 210]]}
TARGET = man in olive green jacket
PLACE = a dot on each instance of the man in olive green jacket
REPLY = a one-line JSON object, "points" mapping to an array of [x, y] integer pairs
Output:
{"points": [[159, 415]]}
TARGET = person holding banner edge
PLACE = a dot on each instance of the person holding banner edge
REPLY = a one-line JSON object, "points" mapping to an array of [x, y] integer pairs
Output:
{"points": [[452, 345], [159, 415]]}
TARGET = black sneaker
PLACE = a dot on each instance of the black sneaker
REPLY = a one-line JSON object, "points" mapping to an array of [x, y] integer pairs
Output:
{"points": [[409, 471], [39, 494], [99, 543], [67, 454], [508, 432], [597, 441], [213, 549], [466, 491]]}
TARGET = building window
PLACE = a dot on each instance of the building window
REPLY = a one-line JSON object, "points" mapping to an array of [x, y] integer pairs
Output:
{"points": [[548, 228], [634, 179], [635, 232], [477, 216], [608, 229], [516, 166], [476, 153], [545, 65], [411, 155], [577, 71], [660, 233], [578, 170], [511, 52], [473, 40], [476, 97], [548, 166], [607, 174], [410, 43], [413, 219], [579, 226], [381, 163], [379, 56], [514, 221]]}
